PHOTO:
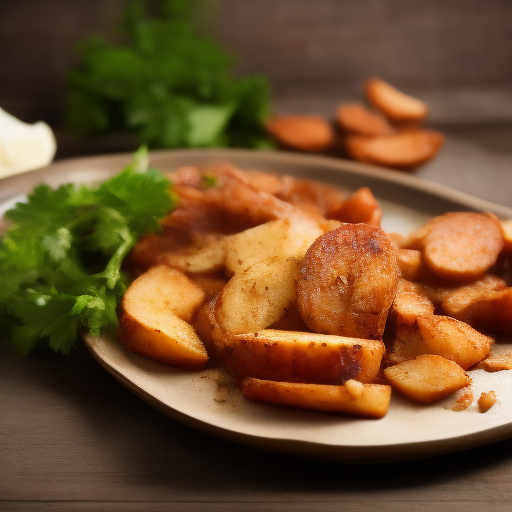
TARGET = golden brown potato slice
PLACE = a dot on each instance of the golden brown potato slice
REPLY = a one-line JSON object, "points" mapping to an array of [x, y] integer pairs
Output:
{"points": [[356, 118], [486, 401], [164, 289], [439, 335], [427, 378], [153, 325], [395, 105], [462, 245], [307, 133], [258, 296], [361, 206], [303, 357], [283, 237], [369, 400], [348, 281], [404, 151]]}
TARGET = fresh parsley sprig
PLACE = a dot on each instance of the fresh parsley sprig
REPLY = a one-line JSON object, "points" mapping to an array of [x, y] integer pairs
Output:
{"points": [[166, 81], [61, 258]]}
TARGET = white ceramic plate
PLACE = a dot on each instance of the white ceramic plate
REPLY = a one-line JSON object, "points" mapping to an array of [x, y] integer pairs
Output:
{"points": [[208, 401]]}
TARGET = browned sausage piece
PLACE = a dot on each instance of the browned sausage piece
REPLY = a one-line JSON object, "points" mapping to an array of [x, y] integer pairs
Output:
{"points": [[347, 282]]}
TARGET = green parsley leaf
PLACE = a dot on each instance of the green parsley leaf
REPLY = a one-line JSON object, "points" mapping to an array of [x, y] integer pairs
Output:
{"points": [[167, 82], [62, 254]]}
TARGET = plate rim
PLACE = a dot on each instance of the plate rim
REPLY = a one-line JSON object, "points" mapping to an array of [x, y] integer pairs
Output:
{"points": [[402, 178], [343, 453]]}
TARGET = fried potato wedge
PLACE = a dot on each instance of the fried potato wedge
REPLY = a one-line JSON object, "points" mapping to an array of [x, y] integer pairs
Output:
{"points": [[427, 378], [347, 282], [303, 357], [153, 324], [442, 336], [164, 289], [283, 237], [357, 119], [462, 246], [368, 400], [395, 105], [404, 151], [361, 206], [258, 296], [306, 133]]}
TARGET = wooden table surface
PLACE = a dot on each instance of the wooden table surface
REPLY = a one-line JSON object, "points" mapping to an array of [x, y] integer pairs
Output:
{"points": [[73, 438]]}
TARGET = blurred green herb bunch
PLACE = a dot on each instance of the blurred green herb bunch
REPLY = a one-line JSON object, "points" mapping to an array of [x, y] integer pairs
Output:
{"points": [[167, 82]]}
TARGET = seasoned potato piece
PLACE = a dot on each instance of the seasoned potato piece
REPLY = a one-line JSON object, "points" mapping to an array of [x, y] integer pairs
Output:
{"points": [[347, 282], [356, 118], [427, 378], [259, 296], [440, 335], [408, 304], [316, 197], [153, 325], [485, 310], [496, 362], [410, 264], [230, 205], [205, 255], [282, 237], [405, 150], [464, 401], [211, 283], [369, 400], [214, 337], [307, 133], [506, 228], [462, 246], [303, 357], [486, 401], [460, 294], [149, 249], [164, 289], [264, 181], [361, 206], [394, 104], [291, 320]]}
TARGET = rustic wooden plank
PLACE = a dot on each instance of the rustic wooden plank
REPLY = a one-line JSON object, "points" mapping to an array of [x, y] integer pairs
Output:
{"points": [[273, 506], [70, 432]]}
